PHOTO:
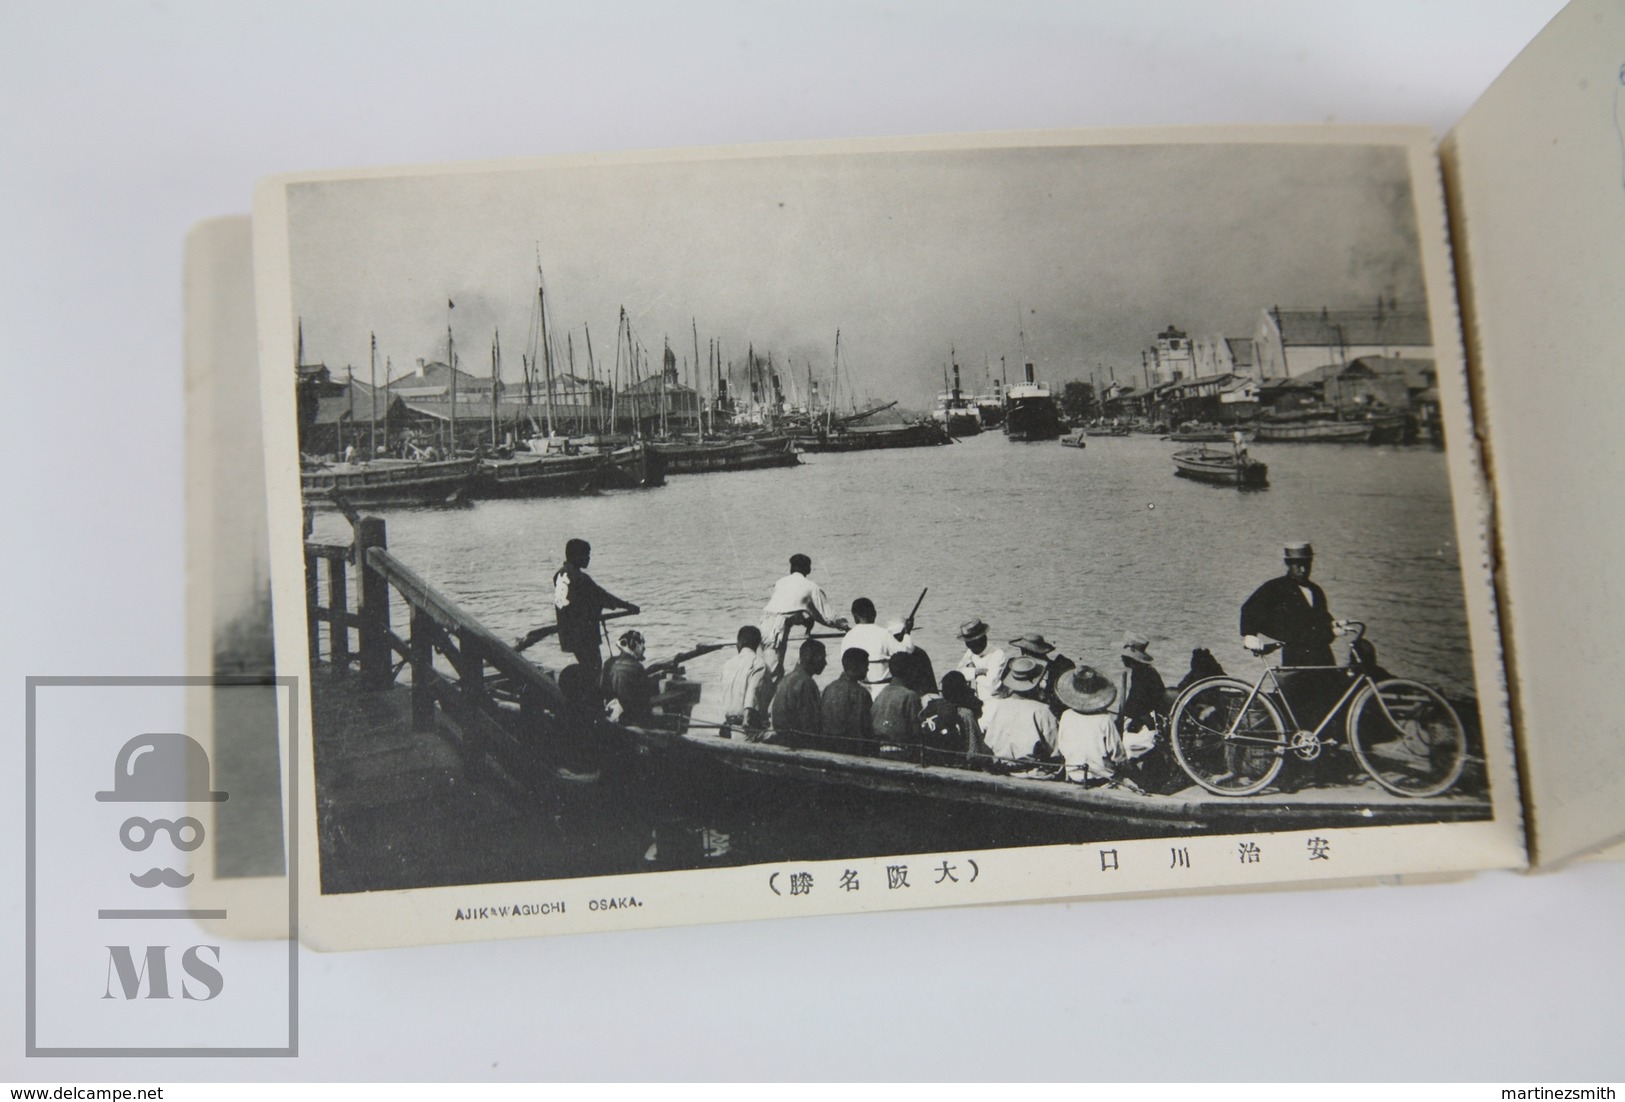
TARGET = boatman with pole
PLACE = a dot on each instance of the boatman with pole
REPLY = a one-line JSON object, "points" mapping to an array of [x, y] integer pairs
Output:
{"points": [[579, 604], [797, 601]]}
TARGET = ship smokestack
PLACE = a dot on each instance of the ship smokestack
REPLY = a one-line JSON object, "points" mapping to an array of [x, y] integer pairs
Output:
{"points": [[1030, 373]]}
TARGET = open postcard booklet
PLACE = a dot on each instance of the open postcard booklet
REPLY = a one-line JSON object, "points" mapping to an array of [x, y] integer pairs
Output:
{"points": [[692, 536]]}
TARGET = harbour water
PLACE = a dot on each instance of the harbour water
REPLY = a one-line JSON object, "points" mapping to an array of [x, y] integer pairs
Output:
{"points": [[1079, 544]]}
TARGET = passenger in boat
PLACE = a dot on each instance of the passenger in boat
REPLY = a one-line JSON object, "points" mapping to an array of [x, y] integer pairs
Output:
{"points": [[794, 710], [1145, 700], [578, 749], [1291, 610], [980, 666], [876, 641], [797, 601], [897, 714], [949, 731], [1022, 726], [625, 683], [747, 687], [1034, 645], [916, 671], [844, 708], [579, 604], [1087, 736]]}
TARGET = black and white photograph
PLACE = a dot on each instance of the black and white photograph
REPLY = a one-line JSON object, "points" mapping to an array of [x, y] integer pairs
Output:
{"points": [[912, 541], [734, 510]]}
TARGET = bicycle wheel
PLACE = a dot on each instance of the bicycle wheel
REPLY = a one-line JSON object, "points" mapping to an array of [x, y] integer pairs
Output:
{"points": [[1407, 737], [1223, 743]]}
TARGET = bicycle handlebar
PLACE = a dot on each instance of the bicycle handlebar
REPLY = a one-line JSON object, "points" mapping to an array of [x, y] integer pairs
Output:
{"points": [[1355, 628]]}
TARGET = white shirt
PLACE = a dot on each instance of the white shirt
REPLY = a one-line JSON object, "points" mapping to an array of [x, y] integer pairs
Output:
{"points": [[1089, 743], [742, 677], [982, 671], [880, 645], [1018, 725], [798, 593]]}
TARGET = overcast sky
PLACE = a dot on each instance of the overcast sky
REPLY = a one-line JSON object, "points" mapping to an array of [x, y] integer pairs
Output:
{"points": [[1087, 251]]}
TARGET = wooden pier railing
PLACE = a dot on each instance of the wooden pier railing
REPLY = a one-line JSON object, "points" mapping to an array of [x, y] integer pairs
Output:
{"points": [[502, 706]]}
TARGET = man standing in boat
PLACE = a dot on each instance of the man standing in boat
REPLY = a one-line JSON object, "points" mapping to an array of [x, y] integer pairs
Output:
{"points": [[1292, 611], [796, 601], [579, 604]]}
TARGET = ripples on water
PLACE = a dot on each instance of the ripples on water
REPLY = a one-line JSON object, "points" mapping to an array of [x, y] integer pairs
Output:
{"points": [[1081, 545]]}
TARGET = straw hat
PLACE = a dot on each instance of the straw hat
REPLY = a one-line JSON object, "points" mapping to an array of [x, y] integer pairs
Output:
{"points": [[1032, 643], [1134, 647], [973, 629], [1086, 690], [1024, 673], [1299, 552]]}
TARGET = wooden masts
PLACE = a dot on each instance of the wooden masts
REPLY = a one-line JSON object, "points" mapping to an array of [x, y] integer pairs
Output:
{"points": [[451, 365], [372, 388]]}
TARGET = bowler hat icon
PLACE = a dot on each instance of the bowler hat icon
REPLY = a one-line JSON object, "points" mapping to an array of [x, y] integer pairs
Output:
{"points": [[164, 768]]}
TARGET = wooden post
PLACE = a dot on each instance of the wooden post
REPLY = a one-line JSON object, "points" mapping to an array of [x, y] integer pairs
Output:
{"points": [[338, 602], [422, 648], [313, 625], [376, 665]]}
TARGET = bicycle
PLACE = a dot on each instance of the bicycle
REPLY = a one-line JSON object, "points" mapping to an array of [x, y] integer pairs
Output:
{"points": [[1233, 738]]}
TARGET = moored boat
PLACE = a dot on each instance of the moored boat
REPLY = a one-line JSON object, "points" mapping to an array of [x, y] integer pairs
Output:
{"points": [[388, 482], [956, 413], [538, 476], [747, 453], [916, 434], [1029, 412], [1231, 467], [1314, 432]]}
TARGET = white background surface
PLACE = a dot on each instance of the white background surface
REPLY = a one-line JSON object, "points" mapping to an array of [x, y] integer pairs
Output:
{"points": [[122, 125]]}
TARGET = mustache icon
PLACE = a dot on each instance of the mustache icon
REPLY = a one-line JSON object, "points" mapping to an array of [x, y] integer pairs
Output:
{"points": [[169, 878]]}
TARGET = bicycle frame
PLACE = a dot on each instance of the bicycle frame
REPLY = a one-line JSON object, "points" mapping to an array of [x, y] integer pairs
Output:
{"points": [[1272, 674]]}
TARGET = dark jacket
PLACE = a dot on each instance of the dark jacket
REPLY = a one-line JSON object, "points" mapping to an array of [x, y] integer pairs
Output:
{"points": [[1145, 703], [578, 619], [1277, 609], [844, 717], [794, 712], [896, 717], [625, 680]]}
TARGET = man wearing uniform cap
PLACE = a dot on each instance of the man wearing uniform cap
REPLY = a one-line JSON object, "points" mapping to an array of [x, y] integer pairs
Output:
{"points": [[980, 666], [1291, 610]]}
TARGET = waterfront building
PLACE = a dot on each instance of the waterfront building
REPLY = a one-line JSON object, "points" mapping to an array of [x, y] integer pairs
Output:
{"points": [[1290, 343]]}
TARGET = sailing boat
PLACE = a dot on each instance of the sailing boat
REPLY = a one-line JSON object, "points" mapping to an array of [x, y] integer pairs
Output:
{"points": [[849, 434], [372, 482], [543, 473]]}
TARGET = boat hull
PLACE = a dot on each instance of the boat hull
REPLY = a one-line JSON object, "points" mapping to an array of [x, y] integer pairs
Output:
{"points": [[731, 455], [1031, 419], [542, 476], [1220, 468], [1316, 432], [389, 483], [922, 434]]}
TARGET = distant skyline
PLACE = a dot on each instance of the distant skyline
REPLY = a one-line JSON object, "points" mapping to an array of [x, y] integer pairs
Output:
{"points": [[1082, 254]]}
